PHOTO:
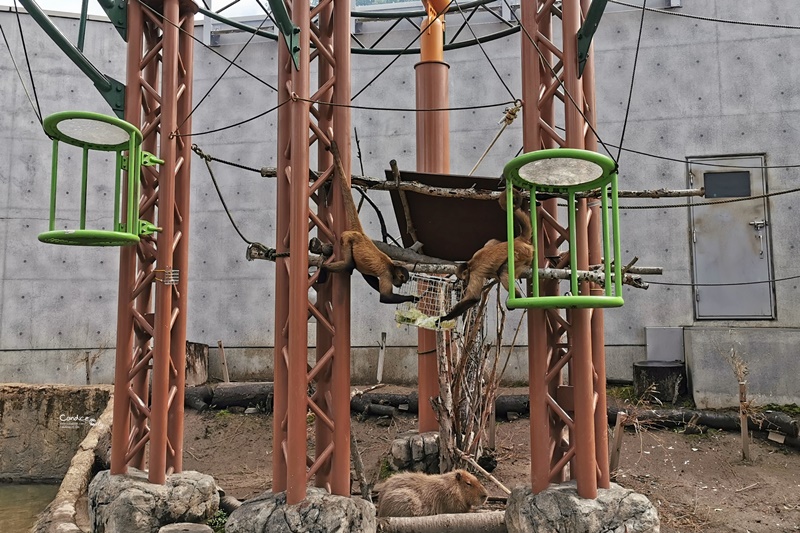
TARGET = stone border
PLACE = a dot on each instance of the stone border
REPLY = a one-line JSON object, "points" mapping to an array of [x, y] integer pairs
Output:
{"points": [[59, 515]]}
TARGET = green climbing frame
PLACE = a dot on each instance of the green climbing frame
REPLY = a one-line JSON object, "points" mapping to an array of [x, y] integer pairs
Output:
{"points": [[571, 172], [94, 131]]}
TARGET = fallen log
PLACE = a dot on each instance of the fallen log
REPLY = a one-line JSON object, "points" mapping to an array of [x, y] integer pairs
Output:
{"points": [[490, 522], [727, 420], [198, 397], [243, 394]]}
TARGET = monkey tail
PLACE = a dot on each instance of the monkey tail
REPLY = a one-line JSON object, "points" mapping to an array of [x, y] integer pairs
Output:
{"points": [[353, 222]]}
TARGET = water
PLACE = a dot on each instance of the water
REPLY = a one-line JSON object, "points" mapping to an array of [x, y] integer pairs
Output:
{"points": [[20, 504]]}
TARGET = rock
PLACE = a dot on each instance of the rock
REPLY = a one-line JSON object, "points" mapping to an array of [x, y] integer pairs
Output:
{"points": [[130, 504], [401, 454], [559, 509], [186, 527], [417, 448], [320, 512]]}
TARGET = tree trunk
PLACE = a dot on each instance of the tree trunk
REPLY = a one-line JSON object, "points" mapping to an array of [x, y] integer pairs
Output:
{"points": [[491, 522], [243, 394]]}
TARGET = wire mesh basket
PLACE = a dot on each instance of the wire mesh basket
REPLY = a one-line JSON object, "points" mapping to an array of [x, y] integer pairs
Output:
{"points": [[437, 296]]}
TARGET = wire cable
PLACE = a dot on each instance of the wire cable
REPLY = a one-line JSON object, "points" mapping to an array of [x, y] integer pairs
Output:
{"points": [[732, 284], [398, 56], [709, 19], [558, 79], [633, 77], [269, 253], [21, 79], [480, 45], [717, 202], [27, 62], [223, 128]]}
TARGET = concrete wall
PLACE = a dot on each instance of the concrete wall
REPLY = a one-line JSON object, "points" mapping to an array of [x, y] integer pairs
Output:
{"points": [[702, 89], [42, 427]]}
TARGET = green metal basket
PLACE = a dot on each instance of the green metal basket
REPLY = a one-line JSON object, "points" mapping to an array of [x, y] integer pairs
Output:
{"points": [[93, 131], [567, 171]]}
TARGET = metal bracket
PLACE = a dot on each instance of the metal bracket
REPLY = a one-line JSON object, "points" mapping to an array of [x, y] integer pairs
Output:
{"points": [[288, 29], [587, 31], [117, 11], [110, 89], [149, 160]]}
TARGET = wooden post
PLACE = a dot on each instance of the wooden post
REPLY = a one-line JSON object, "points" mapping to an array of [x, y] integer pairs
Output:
{"points": [[616, 447], [743, 420], [224, 362]]}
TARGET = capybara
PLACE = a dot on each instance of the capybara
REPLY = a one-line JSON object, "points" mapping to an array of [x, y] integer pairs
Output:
{"points": [[416, 494]]}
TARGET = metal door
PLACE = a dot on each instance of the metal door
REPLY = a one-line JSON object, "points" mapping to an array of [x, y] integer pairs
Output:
{"points": [[731, 248]]}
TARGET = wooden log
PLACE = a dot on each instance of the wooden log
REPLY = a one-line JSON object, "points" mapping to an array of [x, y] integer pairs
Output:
{"points": [[198, 397], [196, 363], [225, 375], [743, 420], [243, 394], [665, 376], [616, 447], [490, 522]]}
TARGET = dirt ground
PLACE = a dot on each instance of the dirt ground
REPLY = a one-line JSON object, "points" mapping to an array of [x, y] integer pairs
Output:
{"points": [[697, 482]]}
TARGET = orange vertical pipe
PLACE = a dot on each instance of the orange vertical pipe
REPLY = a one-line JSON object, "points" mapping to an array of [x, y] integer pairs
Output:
{"points": [[433, 155]]}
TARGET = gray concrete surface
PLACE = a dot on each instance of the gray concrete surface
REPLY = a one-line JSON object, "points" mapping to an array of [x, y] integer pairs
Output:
{"points": [[702, 89]]}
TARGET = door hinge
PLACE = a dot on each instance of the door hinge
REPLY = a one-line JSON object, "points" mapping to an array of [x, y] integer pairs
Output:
{"points": [[697, 294]]}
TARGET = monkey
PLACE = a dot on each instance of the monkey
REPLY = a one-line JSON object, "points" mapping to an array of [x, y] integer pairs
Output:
{"points": [[491, 261], [360, 253]]}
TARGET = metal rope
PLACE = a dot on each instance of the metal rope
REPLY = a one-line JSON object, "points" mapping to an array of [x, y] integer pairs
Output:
{"points": [[270, 253], [730, 201], [709, 19], [633, 77], [558, 79], [21, 79], [480, 45], [27, 62], [398, 56], [668, 283]]}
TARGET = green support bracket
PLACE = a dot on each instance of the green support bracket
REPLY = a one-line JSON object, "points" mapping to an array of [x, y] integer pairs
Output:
{"points": [[117, 11], [288, 29], [587, 31], [112, 91]]}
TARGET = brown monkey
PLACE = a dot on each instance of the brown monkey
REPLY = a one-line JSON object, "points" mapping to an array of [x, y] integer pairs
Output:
{"points": [[491, 261], [360, 253]]}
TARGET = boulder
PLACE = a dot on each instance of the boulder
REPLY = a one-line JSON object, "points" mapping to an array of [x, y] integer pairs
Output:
{"points": [[320, 512], [559, 509], [131, 504]]}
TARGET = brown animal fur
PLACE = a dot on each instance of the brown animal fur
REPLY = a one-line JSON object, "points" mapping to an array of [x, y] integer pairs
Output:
{"points": [[491, 261], [360, 253], [416, 494]]}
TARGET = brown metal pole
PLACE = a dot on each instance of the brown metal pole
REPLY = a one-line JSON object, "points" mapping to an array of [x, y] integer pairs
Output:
{"points": [[297, 404], [340, 378], [322, 433], [181, 255], [595, 258], [433, 155], [166, 221], [120, 428], [280, 354], [581, 362], [544, 432]]}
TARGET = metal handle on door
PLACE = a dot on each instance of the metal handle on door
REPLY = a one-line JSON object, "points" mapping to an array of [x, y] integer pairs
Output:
{"points": [[758, 225]]}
